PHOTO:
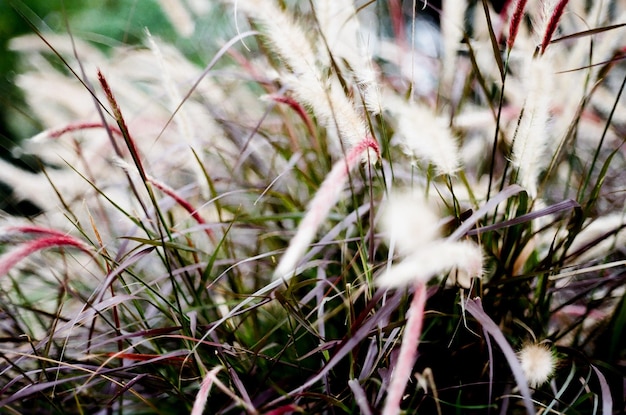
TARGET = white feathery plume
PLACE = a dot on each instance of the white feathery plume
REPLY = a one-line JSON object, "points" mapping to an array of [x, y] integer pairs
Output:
{"points": [[532, 135], [286, 37], [423, 135], [410, 221], [324, 97], [413, 226], [434, 259], [538, 363], [341, 28], [370, 89]]}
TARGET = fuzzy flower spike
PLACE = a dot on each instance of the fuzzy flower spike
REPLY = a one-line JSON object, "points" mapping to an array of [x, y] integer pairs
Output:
{"points": [[538, 363], [412, 226]]}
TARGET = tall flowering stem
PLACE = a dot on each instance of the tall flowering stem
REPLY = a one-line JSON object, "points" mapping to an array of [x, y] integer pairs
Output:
{"points": [[117, 114], [408, 350]]}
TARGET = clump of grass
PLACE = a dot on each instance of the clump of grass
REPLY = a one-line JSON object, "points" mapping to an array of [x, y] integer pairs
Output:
{"points": [[225, 236]]}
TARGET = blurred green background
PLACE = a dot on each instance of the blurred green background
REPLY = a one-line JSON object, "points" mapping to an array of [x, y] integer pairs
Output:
{"points": [[105, 23]]}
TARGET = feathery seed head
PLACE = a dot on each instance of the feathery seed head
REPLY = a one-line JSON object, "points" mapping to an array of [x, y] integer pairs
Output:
{"points": [[413, 226], [434, 259], [516, 19], [422, 135], [410, 221], [538, 363], [531, 141]]}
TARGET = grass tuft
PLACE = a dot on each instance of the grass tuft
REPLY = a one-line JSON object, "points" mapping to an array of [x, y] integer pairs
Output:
{"points": [[306, 207]]}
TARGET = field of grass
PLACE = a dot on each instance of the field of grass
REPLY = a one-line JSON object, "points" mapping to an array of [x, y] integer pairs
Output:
{"points": [[317, 207]]}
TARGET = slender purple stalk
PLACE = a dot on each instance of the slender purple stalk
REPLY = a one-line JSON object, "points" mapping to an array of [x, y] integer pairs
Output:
{"points": [[552, 24], [184, 204], [10, 259], [117, 114], [408, 351], [516, 19], [475, 308], [607, 400], [56, 133]]}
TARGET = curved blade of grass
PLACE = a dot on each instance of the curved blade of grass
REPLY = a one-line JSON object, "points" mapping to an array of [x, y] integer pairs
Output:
{"points": [[486, 208], [607, 400], [475, 308], [589, 32], [494, 41], [550, 210]]}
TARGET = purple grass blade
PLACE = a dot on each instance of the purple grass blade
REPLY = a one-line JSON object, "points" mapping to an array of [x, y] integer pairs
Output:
{"points": [[359, 396], [475, 308], [487, 207], [550, 210], [491, 365], [607, 400]]}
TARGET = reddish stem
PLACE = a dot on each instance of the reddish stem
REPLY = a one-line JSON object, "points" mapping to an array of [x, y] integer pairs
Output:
{"points": [[184, 204], [117, 113], [297, 108], [81, 126]]}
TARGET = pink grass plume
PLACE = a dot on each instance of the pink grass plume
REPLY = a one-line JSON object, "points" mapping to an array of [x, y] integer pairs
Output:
{"points": [[33, 229], [408, 351], [325, 198], [553, 22], [203, 394], [53, 240], [516, 19]]}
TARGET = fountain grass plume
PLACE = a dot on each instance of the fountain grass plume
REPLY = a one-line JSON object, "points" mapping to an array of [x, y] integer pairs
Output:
{"points": [[54, 240], [321, 204]]}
